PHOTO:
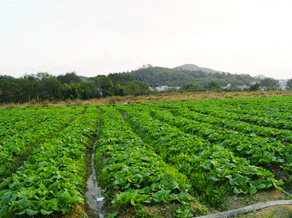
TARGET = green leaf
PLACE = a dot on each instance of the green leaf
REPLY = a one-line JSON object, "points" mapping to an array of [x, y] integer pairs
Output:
{"points": [[31, 212], [236, 191], [24, 202], [45, 212], [253, 189], [20, 213], [66, 210], [261, 186], [213, 178], [133, 202]]}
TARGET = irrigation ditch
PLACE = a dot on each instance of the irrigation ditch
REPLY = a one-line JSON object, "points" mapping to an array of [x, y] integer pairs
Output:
{"points": [[95, 200]]}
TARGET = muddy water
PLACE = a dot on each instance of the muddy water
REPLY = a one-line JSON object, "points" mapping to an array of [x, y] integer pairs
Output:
{"points": [[95, 199]]}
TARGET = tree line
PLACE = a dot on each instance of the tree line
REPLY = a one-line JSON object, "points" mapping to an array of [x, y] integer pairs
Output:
{"points": [[267, 84], [44, 86]]}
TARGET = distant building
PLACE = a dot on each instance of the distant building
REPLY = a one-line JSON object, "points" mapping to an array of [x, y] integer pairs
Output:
{"points": [[243, 87], [165, 88], [228, 86], [283, 83]]}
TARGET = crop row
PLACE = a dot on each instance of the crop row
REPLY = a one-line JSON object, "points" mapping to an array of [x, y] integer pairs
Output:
{"points": [[222, 113], [267, 104], [264, 111], [29, 120], [52, 177], [13, 115], [214, 171], [14, 148], [221, 119], [230, 123], [131, 169], [259, 151]]}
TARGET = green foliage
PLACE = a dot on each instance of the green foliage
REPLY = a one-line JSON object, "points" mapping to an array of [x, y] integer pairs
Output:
{"points": [[136, 88], [156, 76], [69, 78], [255, 87], [214, 170], [289, 85], [148, 156], [270, 84], [43, 86], [192, 87], [213, 85], [132, 169], [120, 78], [51, 180], [104, 84]]}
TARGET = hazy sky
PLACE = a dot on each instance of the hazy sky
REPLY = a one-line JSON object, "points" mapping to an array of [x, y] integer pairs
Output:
{"points": [[106, 36]]}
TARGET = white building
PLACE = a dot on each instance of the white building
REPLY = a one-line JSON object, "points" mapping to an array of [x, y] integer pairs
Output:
{"points": [[164, 88]]}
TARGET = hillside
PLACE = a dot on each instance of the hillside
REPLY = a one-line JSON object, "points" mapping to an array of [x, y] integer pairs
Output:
{"points": [[156, 76], [7, 77], [192, 67], [260, 76]]}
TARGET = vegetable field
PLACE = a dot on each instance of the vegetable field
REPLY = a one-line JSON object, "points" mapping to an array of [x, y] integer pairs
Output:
{"points": [[167, 159]]}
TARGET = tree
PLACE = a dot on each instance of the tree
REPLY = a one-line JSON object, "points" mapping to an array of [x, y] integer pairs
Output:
{"points": [[289, 85], [119, 90], [51, 88], [120, 78], [270, 84], [255, 87], [9, 89], [132, 88], [48, 85], [143, 86], [213, 85], [192, 87], [88, 90], [42, 75], [69, 78], [145, 66], [30, 88], [104, 84]]}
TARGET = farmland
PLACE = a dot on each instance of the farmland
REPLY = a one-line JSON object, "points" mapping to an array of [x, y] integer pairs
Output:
{"points": [[166, 159]]}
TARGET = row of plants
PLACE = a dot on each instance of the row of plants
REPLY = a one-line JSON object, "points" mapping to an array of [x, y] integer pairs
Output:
{"points": [[12, 114], [27, 119], [51, 180], [214, 171], [265, 152], [222, 113], [270, 104], [227, 122], [269, 111], [14, 149], [134, 175]]}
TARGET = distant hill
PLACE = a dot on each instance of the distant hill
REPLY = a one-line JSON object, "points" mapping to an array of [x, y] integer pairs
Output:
{"points": [[83, 78], [192, 67], [178, 76], [261, 76], [7, 77]]}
